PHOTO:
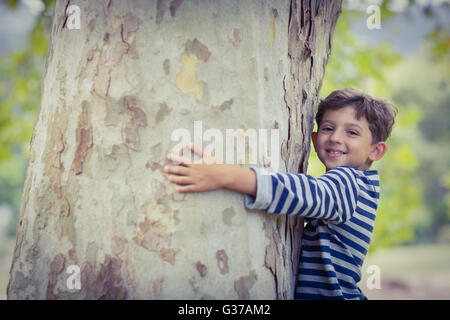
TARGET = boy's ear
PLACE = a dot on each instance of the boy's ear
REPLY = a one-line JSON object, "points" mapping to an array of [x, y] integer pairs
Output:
{"points": [[378, 151]]}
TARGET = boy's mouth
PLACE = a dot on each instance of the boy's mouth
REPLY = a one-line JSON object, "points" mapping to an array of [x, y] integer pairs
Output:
{"points": [[333, 153]]}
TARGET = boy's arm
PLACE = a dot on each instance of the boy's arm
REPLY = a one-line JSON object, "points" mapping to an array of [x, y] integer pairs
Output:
{"points": [[200, 176], [240, 180], [332, 197]]}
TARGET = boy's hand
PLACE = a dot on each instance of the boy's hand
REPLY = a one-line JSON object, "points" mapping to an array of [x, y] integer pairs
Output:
{"points": [[205, 174]]}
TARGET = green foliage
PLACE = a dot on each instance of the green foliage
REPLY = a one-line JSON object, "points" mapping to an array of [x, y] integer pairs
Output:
{"points": [[354, 64], [440, 42], [20, 90], [12, 3], [446, 183]]}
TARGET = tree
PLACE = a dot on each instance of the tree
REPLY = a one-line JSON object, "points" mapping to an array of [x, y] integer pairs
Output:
{"points": [[95, 198]]}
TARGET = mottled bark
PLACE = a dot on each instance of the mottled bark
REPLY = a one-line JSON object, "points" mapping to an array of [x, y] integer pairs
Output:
{"points": [[95, 195]]}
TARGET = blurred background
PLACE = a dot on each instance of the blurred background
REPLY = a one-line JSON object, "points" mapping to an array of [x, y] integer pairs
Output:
{"points": [[406, 60]]}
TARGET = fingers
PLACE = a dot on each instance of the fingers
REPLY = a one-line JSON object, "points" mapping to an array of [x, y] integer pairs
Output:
{"points": [[180, 179], [180, 159], [184, 183], [179, 170], [207, 157], [179, 173], [199, 150], [188, 188]]}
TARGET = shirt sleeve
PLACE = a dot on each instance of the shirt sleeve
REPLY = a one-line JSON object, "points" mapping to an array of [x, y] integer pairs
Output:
{"points": [[333, 196]]}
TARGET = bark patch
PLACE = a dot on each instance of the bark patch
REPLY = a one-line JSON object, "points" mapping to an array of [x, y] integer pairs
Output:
{"points": [[155, 162], [84, 138], [272, 25], [156, 287], [118, 245], [106, 4], [186, 79], [177, 196], [131, 24], [56, 267], [201, 268], [235, 36], [154, 232], [130, 128], [222, 261], [118, 42], [226, 105], [243, 285], [275, 252], [87, 279], [52, 169], [160, 8], [166, 66], [162, 113], [227, 216], [108, 284], [197, 48], [174, 4]]}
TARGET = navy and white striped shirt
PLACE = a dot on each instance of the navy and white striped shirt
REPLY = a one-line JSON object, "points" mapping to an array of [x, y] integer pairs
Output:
{"points": [[339, 208]]}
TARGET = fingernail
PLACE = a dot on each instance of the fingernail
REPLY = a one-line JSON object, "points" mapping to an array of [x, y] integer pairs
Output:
{"points": [[166, 168]]}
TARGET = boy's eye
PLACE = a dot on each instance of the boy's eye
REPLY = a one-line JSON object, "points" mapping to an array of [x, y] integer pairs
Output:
{"points": [[353, 133], [327, 129]]}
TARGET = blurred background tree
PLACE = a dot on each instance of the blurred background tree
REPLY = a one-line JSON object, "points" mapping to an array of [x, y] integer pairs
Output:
{"points": [[415, 200], [21, 72]]}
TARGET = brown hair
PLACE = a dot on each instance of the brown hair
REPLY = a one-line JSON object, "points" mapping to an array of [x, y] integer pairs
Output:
{"points": [[379, 113]]}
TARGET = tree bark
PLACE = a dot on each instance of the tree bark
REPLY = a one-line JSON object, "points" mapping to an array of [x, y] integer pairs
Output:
{"points": [[95, 195]]}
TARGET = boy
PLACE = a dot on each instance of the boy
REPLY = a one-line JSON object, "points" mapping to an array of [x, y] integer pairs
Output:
{"points": [[339, 207]]}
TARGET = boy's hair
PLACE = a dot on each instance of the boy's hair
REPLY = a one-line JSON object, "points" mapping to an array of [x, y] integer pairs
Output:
{"points": [[379, 113]]}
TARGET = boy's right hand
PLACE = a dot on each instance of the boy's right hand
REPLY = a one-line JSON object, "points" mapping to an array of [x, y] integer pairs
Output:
{"points": [[209, 173], [205, 174]]}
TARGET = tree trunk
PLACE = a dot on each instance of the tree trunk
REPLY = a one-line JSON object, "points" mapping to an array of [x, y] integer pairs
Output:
{"points": [[115, 90]]}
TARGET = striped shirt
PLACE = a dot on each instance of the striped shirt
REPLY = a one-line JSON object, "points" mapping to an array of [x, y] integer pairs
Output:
{"points": [[339, 208]]}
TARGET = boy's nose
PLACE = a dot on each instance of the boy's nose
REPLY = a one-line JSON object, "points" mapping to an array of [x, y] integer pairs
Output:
{"points": [[336, 137]]}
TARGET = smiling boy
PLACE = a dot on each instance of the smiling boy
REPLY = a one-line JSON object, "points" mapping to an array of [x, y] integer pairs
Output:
{"points": [[339, 207]]}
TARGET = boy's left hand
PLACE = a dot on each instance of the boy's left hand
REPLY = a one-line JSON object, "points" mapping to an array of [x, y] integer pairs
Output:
{"points": [[195, 176]]}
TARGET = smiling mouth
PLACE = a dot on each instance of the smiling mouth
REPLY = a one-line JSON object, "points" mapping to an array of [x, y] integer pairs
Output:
{"points": [[334, 153]]}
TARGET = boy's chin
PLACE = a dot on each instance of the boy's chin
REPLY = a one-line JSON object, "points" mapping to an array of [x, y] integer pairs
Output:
{"points": [[333, 164]]}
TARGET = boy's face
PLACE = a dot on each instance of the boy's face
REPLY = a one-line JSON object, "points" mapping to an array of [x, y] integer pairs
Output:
{"points": [[344, 140]]}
